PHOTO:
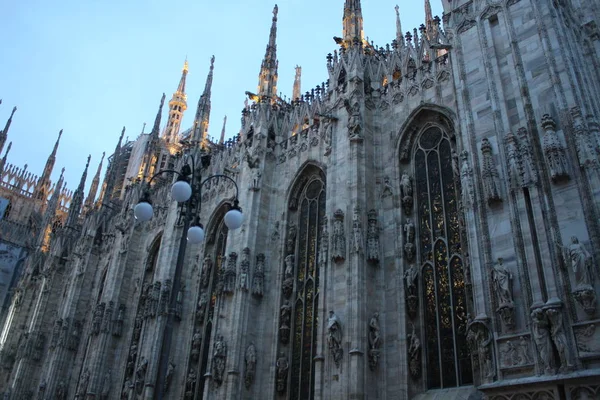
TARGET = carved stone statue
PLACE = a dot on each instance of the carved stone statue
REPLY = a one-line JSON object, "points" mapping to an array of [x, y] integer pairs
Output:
{"points": [[245, 269], [190, 384], [414, 354], [357, 235], [137, 330], [406, 193], [289, 266], [154, 299], [466, 181], [258, 279], [374, 341], [165, 297], [373, 237], [107, 317], [201, 308], [117, 330], [324, 244], [285, 318], [523, 351], [557, 333], [581, 264], [541, 337], [528, 169], [288, 281], [282, 366], [553, 149], [354, 120], [97, 318], [131, 360], [218, 360], [409, 245], [290, 246], [206, 269], [328, 136], [250, 361], [338, 239], [334, 337], [502, 284], [196, 345], [140, 375], [490, 176], [481, 340], [230, 274], [179, 303], [169, 376]]}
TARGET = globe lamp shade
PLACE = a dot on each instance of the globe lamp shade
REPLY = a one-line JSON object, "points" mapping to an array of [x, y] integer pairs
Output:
{"points": [[181, 191], [195, 234], [143, 211], [233, 219]]}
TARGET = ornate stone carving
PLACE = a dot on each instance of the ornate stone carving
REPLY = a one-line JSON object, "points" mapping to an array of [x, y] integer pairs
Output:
{"points": [[324, 244], [179, 303], [559, 338], [466, 181], [290, 246], [218, 360], [327, 135], [230, 274], [502, 285], [137, 330], [206, 269], [480, 340], [131, 360], [258, 278], [97, 318], [285, 318], [288, 281], [528, 169], [373, 237], [282, 366], [245, 269], [374, 341], [541, 336], [586, 152], [153, 300], [201, 308], [140, 375], [406, 193], [196, 345], [412, 299], [414, 354], [581, 264], [107, 317], [165, 298], [513, 162], [60, 393], [386, 191], [586, 341], [490, 176], [354, 121], [250, 365], [515, 354], [338, 238], [190, 384], [334, 337], [169, 376], [83, 384], [409, 240], [117, 329], [554, 150], [357, 233]]}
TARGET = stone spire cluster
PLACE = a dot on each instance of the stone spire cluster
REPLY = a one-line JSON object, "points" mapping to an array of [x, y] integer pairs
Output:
{"points": [[77, 201], [177, 107]]}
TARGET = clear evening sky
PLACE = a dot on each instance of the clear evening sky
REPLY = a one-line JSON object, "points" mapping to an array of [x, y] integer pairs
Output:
{"points": [[91, 67]]}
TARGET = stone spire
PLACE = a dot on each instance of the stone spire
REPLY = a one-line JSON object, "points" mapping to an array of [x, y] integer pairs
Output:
{"points": [[222, 139], [3, 160], [429, 22], [399, 33], [267, 79], [4, 132], [89, 201], [77, 200], [42, 240], [202, 119], [353, 22], [156, 128], [111, 174], [297, 92], [177, 107], [43, 185]]}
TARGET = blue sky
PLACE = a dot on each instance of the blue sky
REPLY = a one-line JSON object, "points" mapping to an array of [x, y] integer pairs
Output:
{"points": [[91, 67]]}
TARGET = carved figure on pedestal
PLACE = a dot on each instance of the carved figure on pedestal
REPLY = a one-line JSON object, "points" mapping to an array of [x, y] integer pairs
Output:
{"points": [[559, 338], [179, 304], [524, 355], [190, 384], [285, 318], [541, 337], [334, 337], [354, 121], [206, 269], [165, 298], [230, 274], [97, 319], [357, 235], [244, 269], [466, 181], [502, 284], [374, 341], [406, 193], [481, 340], [218, 360], [131, 360], [581, 263], [154, 299], [553, 149], [169, 376], [338, 251], [409, 245], [117, 330], [288, 281], [328, 136], [282, 366], [412, 300], [258, 279], [140, 375], [196, 345], [201, 309], [290, 246], [373, 237], [324, 244], [250, 364], [414, 353], [490, 176]]}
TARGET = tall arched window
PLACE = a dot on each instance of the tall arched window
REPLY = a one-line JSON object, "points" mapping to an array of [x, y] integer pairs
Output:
{"points": [[440, 252], [307, 213]]}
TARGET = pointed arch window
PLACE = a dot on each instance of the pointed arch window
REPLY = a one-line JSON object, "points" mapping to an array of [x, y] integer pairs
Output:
{"points": [[441, 259], [307, 205]]}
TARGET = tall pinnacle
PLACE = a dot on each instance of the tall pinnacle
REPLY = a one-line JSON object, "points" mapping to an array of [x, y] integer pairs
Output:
{"points": [[177, 107], [42, 239], [4, 132], [77, 200], [156, 127], [297, 91], [111, 174], [222, 139], [3, 160], [43, 185], [89, 201], [429, 23], [202, 118], [353, 22], [399, 32], [267, 79]]}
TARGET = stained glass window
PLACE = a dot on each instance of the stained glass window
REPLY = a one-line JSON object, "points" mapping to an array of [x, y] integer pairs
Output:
{"points": [[444, 297], [308, 218]]}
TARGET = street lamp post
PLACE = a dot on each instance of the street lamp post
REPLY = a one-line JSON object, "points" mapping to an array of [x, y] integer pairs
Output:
{"points": [[190, 196]]}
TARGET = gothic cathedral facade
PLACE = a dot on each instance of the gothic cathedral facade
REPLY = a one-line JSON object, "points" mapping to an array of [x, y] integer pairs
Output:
{"points": [[424, 223]]}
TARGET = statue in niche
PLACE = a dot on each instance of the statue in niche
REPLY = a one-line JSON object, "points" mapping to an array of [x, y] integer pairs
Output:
{"points": [[414, 353], [83, 385], [285, 318], [201, 309], [409, 245], [528, 171], [196, 345], [553, 149], [412, 300], [107, 317], [244, 269], [334, 337], [328, 136], [559, 338], [97, 319], [290, 246], [581, 264], [338, 251], [230, 274], [169, 376], [218, 360], [324, 244], [154, 299], [258, 279], [179, 303], [140, 375], [354, 120], [523, 351], [282, 366], [117, 329], [466, 181], [502, 284], [541, 337], [250, 364], [165, 297], [137, 330], [374, 341], [373, 238], [206, 269], [480, 339], [131, 360], [357, 236], [387, 187], [406, 193], [490, 176], [455, 169], [288, 282], [145, 300], [190, 384]]}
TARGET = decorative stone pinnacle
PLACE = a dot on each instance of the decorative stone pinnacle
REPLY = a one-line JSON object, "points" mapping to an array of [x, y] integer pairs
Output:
{"points": [[548, 123]]}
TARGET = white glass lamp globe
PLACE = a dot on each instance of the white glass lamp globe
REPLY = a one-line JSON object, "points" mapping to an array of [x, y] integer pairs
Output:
{"points": [[181, 191], [143, 211], [233, 219], [195, 234]]}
